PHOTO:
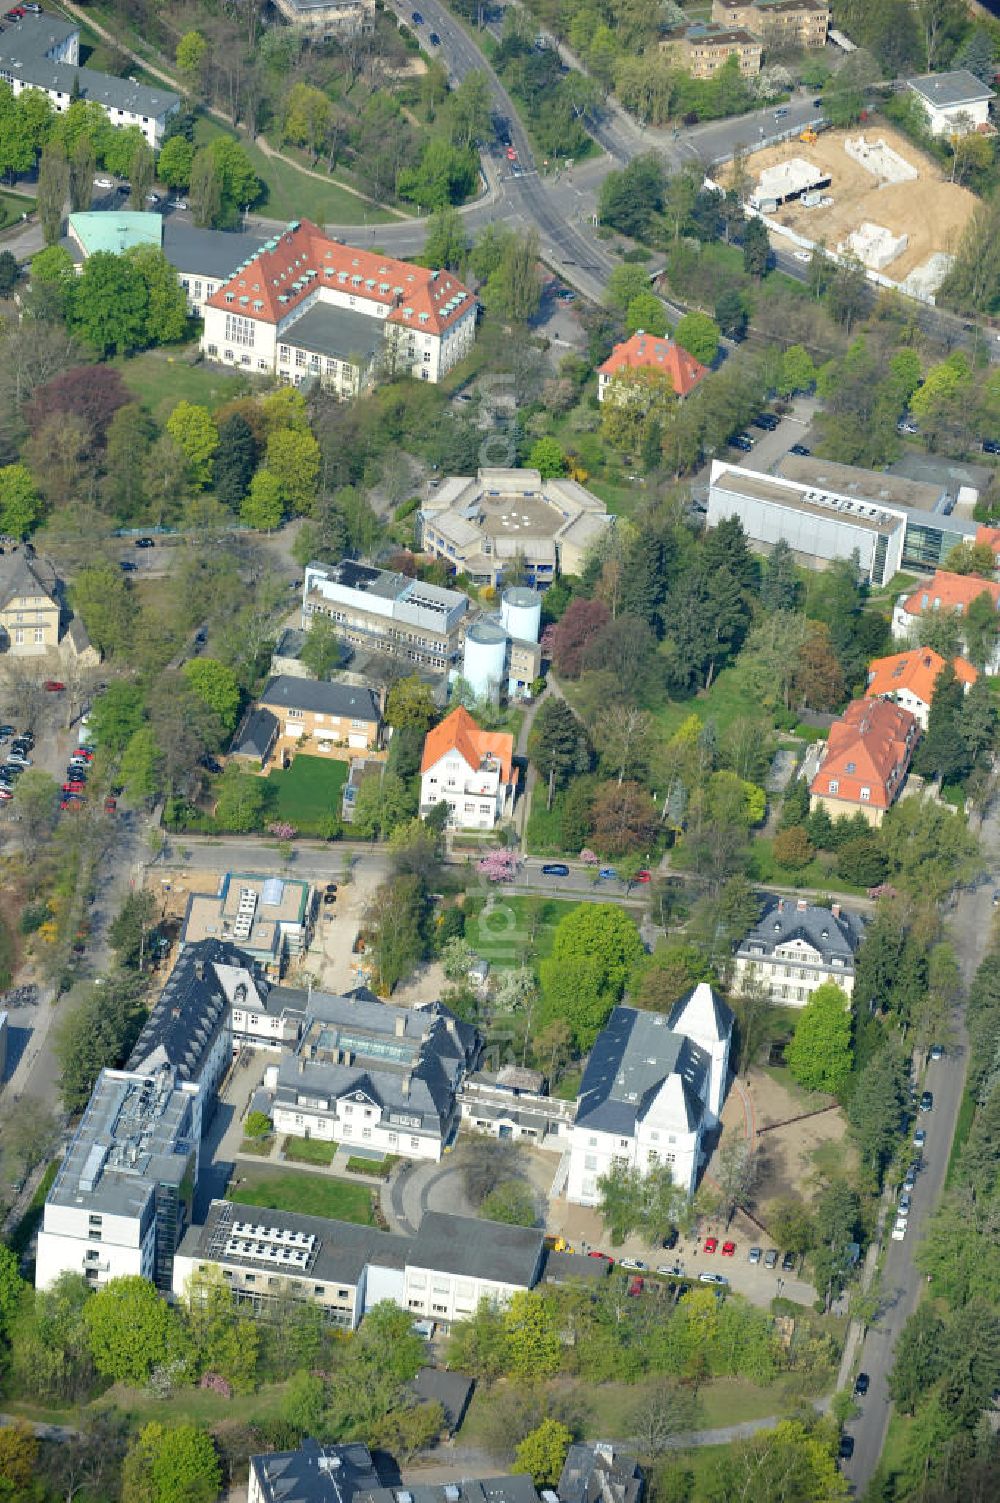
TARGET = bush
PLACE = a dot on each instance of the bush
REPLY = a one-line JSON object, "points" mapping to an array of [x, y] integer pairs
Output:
{"points": [[792, 849], [258, 1125]]}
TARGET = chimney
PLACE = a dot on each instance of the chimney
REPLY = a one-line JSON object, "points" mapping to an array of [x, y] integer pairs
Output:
{"points": [[199, 969], [835, 909], [802, 905], [400, 1026], [781, 905], [405, 1086]]}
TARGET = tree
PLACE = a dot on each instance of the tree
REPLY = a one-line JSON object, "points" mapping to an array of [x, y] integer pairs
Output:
{"points": [[191, 55], [193, 431], [130, 1328], [623, 818], [542, 1454], [116, 715], [100, 594], [819, 678], [307, 117], [819, 1055], [876, 1106], [568, 640], [469, 109], [175, 161], [594, 949], [847, 296], [534, 1338], [666, 1412], [410, 703], [756, 249], [790, 1225], [217, 686], [396, 917], [239, 808], [558, 744], [547, 458], [736, 1174], [263, 507], [625, 283], [177, 1465], [786, 1462], [53, 186], [647, 313], [294, 456], [699, 335], [141, 172], [128, 934], [798, 372], [234, 461], [20, 507], [779, 586], [82, 161], [19, 1462], [792, 849], [514, 290], [446, 245], [321, 651], [731, 313], [512, 1203], [166, 310], [109, 306], [630, 199], [445, 174]]}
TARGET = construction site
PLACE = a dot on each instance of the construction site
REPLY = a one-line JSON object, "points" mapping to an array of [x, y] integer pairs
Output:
{"points": [[868, 192]]}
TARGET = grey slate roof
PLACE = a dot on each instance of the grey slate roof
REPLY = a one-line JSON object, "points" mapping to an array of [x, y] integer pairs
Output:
{"points": [[692, 1001], [337, 332], [22, 54], [344, 1249], [207, 253], [189, 1013], [350, 1045], [452, 1391], [946, 90], [288, 693], [477, 1249], [21, 575], [566, 1267], [632, 1058], [835, 937], [600, 1473], [255, 734], [346, 1474]]}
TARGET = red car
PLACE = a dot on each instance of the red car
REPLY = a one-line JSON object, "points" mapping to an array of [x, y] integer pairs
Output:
{"points": [[635, 1287], [5, 795], [729, 1249], [711, 1243], [511, 154], [110, 804], [71, 802], [73, 787], [606, 1256], [53, 686], [644, 876], [84, 752]]}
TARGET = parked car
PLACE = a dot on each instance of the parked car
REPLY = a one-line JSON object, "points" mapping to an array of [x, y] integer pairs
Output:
{"points": [[903, 1209], [434, 39], [608, 873], [635, 1287], [754, 1255], [126, 566], [103, 182], [991, 446], [765, 420], [152, 198], [927, 1101], [910, 1179], [19, 760], [801, 450], [555, 869], [417, 18], [53, 686], [5, 794], [771, 1258], [899, 1230], [729, 1249], [606, 1256], [85, 752], [636, 1263], [846, 1450], [668, 1270], [743, 442], [788, 1262], [712, 1278], [643, 877], [861, 1385], [919, 1138], [110, 804], [145, 542], [670, 1240], [937, 1051], [178, 203], [711, 1243], [329, 897]]}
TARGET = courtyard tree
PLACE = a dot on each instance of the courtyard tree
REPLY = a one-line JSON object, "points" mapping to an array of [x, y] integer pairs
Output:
{"points": [[175, 1465], [819, 1055], [131, 1330], [594, 950], [542, 1453]]}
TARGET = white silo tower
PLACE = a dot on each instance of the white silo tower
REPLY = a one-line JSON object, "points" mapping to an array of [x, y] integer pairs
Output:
{"points": [[521, 613], [484, 665]]}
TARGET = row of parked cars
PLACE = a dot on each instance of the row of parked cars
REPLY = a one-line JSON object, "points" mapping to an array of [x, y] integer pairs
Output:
{"points": [[22, 744]]}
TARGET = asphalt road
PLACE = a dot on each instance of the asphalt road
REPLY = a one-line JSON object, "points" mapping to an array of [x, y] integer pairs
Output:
{"points": [[970, 927]]}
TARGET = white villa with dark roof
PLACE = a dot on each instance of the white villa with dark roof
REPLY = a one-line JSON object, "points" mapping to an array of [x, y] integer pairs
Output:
{"points": [[292, 309], [653, 1086], [797, 946]]}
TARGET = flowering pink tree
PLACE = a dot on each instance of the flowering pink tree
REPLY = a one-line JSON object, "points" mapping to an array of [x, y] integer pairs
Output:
{"points": [[498, 866], [282, 830], [589, 858]]}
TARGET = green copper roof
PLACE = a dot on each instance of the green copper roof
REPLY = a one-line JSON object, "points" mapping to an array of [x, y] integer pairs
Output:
{"points": [[115, 230]]}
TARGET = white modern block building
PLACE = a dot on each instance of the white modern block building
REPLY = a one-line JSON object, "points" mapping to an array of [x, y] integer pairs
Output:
{"points": [[954, 103], [258, 318], [43, 52], [124, 1190], [454, 1262], [654, 1084]]}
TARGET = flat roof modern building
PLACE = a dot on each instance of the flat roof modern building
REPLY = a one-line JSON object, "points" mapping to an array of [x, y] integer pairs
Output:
{"points": [[954, 103], [328, 19], [819, 524], [379, 611], [269, 918], [125, 1188], [487, 522]]}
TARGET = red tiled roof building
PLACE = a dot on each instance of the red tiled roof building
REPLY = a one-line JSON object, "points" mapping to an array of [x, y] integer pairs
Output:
{"points": [[867, 757]]}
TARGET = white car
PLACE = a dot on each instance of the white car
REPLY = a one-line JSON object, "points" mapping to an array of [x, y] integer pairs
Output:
{"points": [[801, 256], [899, 1230], [178, 203], [903, 1209], [103, 182]]}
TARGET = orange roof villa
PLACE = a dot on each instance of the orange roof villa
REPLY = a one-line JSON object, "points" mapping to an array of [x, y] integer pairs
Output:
{"points": [[867, 756], [908, 679], [649, 352], [469, 769]]}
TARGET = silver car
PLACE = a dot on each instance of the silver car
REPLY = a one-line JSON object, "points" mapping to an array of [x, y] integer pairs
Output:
{"points": [[903, 1209], [754, 1255]]}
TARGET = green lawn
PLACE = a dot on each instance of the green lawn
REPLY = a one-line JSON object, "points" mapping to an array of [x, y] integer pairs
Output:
{"points": [[12, 206], [818, 874], [309, 1194], [162, 378], [308, 792], [514, 929], [309, 1150], [727, 700], [966, 1112]]}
